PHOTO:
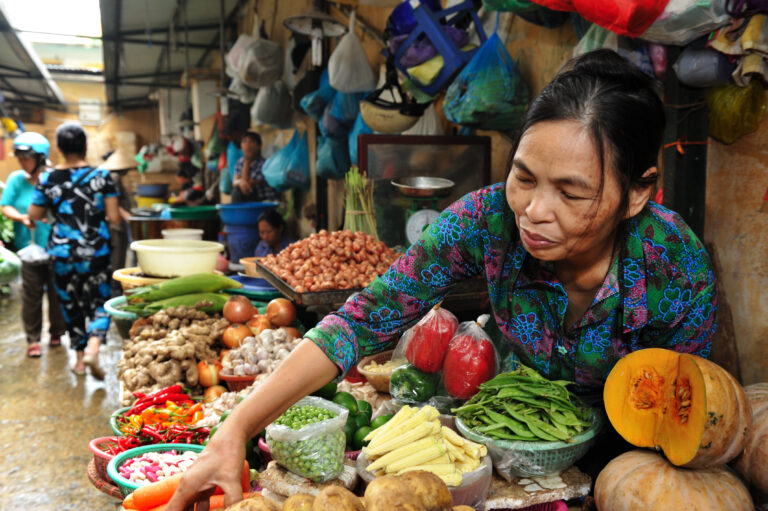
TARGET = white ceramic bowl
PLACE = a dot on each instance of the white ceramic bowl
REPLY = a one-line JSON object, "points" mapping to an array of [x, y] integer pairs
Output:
{"points": [[176, 258], [182, 234]]}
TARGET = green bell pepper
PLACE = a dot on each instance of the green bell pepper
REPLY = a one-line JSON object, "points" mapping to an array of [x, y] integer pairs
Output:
{"points": [[412, 385]]}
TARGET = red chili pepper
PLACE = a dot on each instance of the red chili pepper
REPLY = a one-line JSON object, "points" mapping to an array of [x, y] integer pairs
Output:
{"points": [[153, 434]]}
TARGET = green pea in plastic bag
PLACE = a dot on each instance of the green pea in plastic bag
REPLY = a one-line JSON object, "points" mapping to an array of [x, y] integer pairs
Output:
{"points": [[735, 111]]}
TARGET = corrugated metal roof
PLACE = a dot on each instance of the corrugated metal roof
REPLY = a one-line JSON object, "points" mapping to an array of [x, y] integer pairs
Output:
{"points": [[144, 44], [23, 77]]}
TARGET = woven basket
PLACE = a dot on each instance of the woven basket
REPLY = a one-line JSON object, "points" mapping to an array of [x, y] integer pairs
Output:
{"points": [[131, 278], [100, 458], [113, 468], [525, 459]]}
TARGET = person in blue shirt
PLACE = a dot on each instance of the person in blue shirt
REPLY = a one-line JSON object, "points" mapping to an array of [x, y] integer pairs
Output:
{"points": [[31, 149], [248, 183], [272, 234], [83, 200]]}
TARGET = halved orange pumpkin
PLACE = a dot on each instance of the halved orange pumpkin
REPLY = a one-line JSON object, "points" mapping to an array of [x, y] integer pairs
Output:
{"points": [[689, 407]]}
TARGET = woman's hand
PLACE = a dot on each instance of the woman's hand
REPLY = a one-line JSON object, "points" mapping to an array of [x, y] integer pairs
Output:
{"points": [[305, 370], [28, 222], [220, 464]]}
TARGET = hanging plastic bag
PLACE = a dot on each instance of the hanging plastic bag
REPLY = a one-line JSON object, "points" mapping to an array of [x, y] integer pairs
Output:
{"points": [[735, 111], [428, 124], [274, 146], [359, 128], [489, 93], [340, 115], [682, 21], [629, 17], [348, 67], [332, 158], [703, 67], [261, 63], [314, 103], [235, 55], [10, 266], [635, 52], [273, 106], [289, 167], [529, 11], [244, 93]]}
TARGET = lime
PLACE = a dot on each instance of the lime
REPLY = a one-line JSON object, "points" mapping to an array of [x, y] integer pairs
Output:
{"points": [[361, 433], [365, 407], [349, 431], [361, 419], [327, 391], [346, 400], [380, 420]]}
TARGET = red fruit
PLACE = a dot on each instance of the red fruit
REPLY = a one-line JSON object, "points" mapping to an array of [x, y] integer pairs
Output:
{"points": [[468, 363], [429, 340]]}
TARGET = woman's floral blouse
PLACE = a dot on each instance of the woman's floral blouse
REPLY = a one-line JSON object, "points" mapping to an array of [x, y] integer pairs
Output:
{"points": [[659, 292]]}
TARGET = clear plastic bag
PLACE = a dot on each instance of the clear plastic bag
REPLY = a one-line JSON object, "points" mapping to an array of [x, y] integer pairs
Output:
{"points": [[424, 344], [315, 451], [470, 360], [261, 63], [348, 67], [234, 55], [33, 254], [273, 106], [428, 124], [244, 93], [703, 67], [682, 21]]}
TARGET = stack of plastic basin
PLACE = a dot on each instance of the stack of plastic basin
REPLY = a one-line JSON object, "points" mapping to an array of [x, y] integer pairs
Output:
{"points": [[241, 226]]}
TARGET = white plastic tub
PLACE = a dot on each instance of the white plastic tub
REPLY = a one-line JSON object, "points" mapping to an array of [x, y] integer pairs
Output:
{"points": [[182, 234], [176, 258]]}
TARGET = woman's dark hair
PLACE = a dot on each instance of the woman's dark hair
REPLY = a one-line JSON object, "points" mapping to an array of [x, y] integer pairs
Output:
{"points": [[617, 103], [70, 139], [273, 218], [255, 137]]}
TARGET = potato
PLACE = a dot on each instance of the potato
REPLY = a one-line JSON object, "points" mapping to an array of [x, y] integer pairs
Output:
{"points": [[388, 493], [254, 504], [336, 498], [430, 489], [299, 502]]}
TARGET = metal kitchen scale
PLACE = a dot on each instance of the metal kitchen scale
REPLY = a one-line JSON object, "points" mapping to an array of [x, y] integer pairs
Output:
{"points": [[424, 193]]}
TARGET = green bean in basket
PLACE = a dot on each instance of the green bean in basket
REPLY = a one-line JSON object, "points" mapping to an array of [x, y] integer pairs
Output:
{"points": [[523, 405], [309, 440]]}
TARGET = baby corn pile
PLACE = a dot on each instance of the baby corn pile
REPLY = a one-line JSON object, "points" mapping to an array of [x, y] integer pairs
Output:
{"points": [[414, 439]]}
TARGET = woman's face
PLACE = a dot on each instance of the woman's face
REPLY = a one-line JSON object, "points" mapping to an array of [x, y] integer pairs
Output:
{"points": [[269, 234], [553, 189]]}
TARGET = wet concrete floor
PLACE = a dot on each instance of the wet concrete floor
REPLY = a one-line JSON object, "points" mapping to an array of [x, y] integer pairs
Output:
{"points": [[47, 417]]}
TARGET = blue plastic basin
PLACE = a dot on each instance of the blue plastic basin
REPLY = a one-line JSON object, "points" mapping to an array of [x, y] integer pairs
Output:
{"points": [[244, 213]]}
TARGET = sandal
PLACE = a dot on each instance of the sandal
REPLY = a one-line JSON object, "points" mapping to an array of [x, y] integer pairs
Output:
{"points": [[55, 341], [90, 361], [34, 350], [78, 372]]}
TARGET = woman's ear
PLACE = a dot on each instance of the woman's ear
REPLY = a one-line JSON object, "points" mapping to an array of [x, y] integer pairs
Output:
{"points": [[640, 194]]}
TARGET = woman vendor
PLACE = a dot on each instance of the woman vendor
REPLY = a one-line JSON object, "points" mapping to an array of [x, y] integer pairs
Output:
{"points": [[272, 233], [581, 268]]}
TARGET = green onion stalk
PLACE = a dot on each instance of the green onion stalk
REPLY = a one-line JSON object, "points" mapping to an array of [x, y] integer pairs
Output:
{"points": [[359, 214]]}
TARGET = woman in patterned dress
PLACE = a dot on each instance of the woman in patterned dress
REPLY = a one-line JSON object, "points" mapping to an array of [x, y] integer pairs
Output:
{"points": [[581, 267], [82, 200]]}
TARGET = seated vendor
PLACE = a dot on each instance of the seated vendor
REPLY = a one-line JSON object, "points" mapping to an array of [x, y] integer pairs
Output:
{"points": [[272, 234], [581, 267], [191, 194]]}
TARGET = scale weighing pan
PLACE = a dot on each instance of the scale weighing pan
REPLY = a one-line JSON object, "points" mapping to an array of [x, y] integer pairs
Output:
{"points": [[424, 187]]}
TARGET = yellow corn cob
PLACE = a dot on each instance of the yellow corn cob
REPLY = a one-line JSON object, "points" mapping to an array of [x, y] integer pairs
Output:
{"points": [[401, 416], [453, 437], [419, 432], [418, 418], [467, 467], [402, 452], [456, 453], [435, 468], [475, 450], [417, 458]]}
